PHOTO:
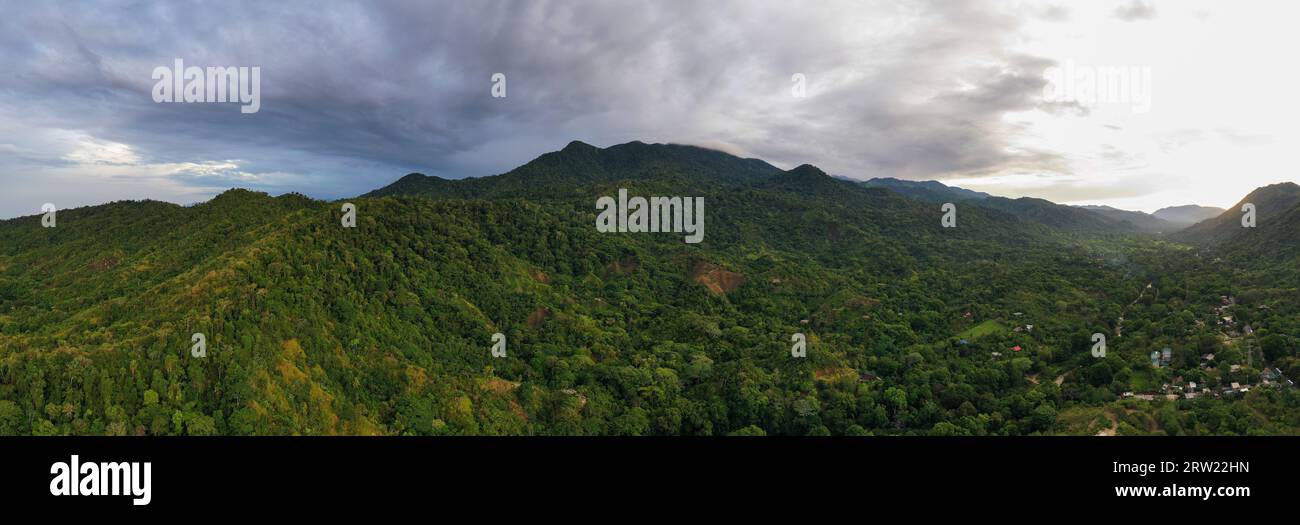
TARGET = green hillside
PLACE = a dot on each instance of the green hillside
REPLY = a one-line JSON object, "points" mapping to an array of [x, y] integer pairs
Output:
{"points": [[386, 328], [1271, 202]]}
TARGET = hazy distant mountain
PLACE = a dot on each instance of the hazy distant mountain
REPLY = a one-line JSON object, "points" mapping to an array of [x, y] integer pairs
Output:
{"points": [[1027, 209], [1187, 215], [925, 190], [1059, 216], [1142, 221], [1271, 202]]}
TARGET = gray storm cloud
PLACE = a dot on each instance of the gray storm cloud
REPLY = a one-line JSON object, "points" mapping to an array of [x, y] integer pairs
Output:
{"points": [[357, 94]]}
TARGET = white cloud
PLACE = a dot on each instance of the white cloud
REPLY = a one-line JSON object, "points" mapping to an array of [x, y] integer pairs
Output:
{"points": [[89, 150]]}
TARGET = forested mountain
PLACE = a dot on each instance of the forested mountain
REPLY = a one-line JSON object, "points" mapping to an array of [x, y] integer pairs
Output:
{"points": [[1058, 216], [1275, 244], [1096, 219], [1141, 221], [1187, 215], [929, 190], [564, 173], [386, 328], [687, 168], [1100, 218], [1271, 202]]}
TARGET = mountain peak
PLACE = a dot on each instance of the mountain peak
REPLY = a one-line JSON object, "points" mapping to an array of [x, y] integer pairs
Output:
{"points": [[578, 145], [238, 194], [805, 170], [1278, 189], [1270, 202], [1272, 199]]}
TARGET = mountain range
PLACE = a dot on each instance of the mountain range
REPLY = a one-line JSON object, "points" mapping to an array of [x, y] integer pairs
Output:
{"points": [[1188, 222], [310, 326], [1165, 220]]}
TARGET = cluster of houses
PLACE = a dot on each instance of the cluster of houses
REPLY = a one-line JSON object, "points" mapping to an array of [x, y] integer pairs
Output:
{"points": [[1274, 375], [1226, 322], [1190, 390], [1178, 389]]}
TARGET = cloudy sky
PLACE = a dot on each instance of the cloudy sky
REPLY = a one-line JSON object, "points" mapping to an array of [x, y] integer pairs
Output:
{"points": [[355, 95]]}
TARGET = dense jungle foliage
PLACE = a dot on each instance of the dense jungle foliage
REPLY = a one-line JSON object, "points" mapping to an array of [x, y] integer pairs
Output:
{"points": [[386, 328]]}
